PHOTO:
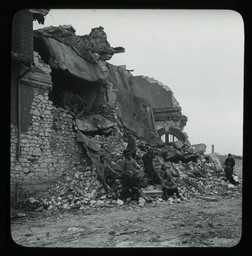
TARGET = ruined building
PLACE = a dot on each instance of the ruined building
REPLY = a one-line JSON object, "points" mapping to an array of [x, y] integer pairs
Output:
{"points": [[62, 83]]}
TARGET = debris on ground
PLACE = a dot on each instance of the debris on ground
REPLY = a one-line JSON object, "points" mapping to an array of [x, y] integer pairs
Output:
{"points": [[198, 176]]}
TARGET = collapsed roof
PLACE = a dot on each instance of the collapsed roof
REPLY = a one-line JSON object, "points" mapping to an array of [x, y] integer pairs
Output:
{"points": [[84, 57]]}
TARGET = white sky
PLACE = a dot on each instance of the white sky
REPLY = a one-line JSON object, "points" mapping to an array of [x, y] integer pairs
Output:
{"points": [[197, 53]]}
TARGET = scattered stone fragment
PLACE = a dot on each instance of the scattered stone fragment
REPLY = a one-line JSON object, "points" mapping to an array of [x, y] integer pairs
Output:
{"points": [[74, 229], [231, 186], [119, 202], [39, 209], [21, 214], [78, 188]]}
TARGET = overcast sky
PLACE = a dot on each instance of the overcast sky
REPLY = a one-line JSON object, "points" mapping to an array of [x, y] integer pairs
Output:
{"points": [[199, 54]]}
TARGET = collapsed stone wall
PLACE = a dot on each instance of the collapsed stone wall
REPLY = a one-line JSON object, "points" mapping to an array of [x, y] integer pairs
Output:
{"points": [[133, 98], [48, 144], [94, 47], [168, 124], [48, 147], [155, 92], [132, 110]]}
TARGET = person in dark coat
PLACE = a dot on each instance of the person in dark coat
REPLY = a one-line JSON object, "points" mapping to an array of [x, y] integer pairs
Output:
{"points": [[130, 180], [229, 174], [151, 173], [131, 146], [229, 170], [169, 186], [230, 161]]}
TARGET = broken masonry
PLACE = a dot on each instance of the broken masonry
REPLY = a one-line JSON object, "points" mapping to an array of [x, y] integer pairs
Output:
{"points": [[73, 105]]}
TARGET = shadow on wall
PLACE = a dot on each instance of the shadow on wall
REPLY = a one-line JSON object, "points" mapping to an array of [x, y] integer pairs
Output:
{"points": [[20, 191], [76, 94]]}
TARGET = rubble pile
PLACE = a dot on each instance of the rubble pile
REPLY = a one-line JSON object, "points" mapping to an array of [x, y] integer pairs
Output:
{"points": [[96, 42], [113, 146], [79, 189], [196, 179], [107, 111], [201, 179]]}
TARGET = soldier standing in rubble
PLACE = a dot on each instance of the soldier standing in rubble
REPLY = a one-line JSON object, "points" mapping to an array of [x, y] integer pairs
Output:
{"points": [[229, 169], [151, 173], [230, 161], [130, 180], [229, 174], [131, 146]]}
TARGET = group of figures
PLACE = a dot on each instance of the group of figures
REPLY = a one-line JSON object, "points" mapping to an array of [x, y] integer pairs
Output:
{"points": [[131, 178]]}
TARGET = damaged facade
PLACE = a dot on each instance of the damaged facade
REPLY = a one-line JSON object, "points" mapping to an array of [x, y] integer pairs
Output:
{"points": [[62, 85]]}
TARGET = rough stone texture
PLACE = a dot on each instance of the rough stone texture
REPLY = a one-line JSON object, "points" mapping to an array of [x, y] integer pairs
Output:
{"points": [[96, 42], [167, 116], [129, 96], [93, 123], [48, 147], [168, 124], [48, 144]]}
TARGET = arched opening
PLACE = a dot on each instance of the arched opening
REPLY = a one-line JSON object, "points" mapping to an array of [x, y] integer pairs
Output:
{"points": [[163, 137], [171, 135], [172, 138]]}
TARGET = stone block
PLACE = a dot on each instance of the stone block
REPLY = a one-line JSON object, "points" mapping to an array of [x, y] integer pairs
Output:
{"points": [[43, 165], [36, 152], [24, 141], [35, 123], [179, 144], [47, 112], [35, 112], [22, 160], [26, 170], [18, 168]]}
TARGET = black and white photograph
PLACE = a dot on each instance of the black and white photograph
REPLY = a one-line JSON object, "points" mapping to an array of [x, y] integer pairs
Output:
{"points": [[126, 128]]}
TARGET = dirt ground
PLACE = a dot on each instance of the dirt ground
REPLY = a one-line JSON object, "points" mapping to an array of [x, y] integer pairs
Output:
{"points": [[193, 223]]}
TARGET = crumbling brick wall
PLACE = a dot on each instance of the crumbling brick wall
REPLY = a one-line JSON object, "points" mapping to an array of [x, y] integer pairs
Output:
{"points": [[48, 147], [48, 142]]}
